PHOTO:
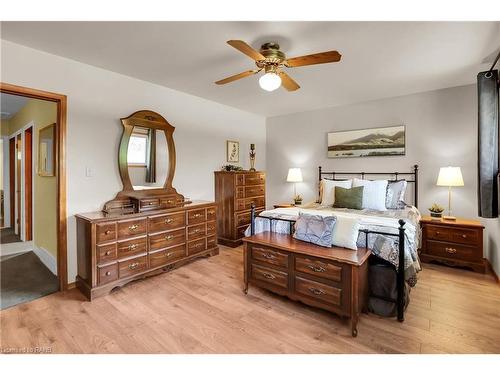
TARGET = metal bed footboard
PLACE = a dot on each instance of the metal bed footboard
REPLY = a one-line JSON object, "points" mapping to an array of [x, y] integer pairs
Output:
{"points": [[400, 277]]}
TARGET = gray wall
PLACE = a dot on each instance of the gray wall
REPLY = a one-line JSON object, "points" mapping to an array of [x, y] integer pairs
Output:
{"points": [[441, 130]]}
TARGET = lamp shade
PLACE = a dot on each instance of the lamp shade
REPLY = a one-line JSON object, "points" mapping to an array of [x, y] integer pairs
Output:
{"points": [[294, 175], [450, 176]]}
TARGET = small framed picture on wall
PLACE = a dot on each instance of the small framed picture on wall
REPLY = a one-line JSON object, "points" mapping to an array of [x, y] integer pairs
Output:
{"points": [[233, 151]]}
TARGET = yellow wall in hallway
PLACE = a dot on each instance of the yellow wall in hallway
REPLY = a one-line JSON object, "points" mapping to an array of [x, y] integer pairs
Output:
{"points": [[42, 113]]}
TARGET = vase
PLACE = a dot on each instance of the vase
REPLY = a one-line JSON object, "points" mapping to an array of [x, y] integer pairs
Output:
{"points": [[252, 159]]}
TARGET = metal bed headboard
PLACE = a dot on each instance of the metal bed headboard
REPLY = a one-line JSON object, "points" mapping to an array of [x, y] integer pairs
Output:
{"points": [[397, 177]]}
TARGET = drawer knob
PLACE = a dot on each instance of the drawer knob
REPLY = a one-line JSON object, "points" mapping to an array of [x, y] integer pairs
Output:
{"points": [[133, 266], [169, 237], [316, 268], [133, 227], [133, 246], [211, 212], [269, 276], [268, 256], [195, 216], [197, 230], [437, 233], [107, 232], [169, 220], [450, 250], [317, 292], [464, 236], [108, 273], [198, 245], [170, 201], [108, 253], [169, 255], [150, 203]]}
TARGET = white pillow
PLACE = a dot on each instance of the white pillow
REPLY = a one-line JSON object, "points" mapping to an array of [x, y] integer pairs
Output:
{"points": [[374, 193], [328, 190], [345, 232]]}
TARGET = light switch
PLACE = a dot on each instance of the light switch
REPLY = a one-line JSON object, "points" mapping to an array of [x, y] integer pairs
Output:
{"points": [[88, 172]]}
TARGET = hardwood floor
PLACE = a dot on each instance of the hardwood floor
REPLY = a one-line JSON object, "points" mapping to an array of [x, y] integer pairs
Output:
{"points": [[200, 308]]}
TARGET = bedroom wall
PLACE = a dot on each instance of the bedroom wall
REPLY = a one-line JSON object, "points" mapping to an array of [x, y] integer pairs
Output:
{"points": [[441, 130], [97, 99]]}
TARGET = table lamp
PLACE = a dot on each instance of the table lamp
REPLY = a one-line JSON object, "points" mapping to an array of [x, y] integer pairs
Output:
{"points": [[294, 175], [450, 176]]}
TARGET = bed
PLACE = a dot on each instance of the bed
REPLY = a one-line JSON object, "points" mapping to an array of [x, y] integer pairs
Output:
{"points": [[379, 231]]}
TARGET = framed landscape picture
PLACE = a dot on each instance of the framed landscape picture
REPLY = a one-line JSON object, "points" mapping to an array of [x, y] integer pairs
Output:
{"points": [[387, 141], [233, 151]]}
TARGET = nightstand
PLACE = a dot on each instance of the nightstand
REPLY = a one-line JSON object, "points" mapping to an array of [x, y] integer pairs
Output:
{"points": [[284, 205], [453, 242]]}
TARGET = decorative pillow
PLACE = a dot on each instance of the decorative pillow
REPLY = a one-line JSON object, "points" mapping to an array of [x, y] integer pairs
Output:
{"points": [[395, 194], [373, 194], [349, 198], [346, 232], [315, 229], [327, 190]]}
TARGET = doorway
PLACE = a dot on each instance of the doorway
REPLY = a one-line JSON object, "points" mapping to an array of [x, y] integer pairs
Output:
{"points": [[33, 195]]}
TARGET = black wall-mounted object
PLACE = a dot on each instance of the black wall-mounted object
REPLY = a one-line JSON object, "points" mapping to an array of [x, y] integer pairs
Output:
{"points": [[488, 113]]}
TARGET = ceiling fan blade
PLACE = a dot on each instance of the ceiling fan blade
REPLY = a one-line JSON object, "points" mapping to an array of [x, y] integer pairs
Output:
{"points": [[246, 49], [315, 58], [287, 82], [237, 76]]}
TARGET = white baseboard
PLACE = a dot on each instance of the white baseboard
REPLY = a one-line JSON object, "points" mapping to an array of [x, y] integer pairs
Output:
{"points": [[16, 248], [46, 258]]}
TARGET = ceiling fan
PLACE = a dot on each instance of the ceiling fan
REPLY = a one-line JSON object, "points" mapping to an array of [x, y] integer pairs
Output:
{"points": [[272, 61]]}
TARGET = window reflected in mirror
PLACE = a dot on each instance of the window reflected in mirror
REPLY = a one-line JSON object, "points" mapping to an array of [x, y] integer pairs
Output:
{"points": [[147, 158]]}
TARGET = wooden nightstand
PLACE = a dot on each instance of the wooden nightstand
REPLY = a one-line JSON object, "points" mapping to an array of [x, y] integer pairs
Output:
{"points": [[283, 205], [454, 243]]}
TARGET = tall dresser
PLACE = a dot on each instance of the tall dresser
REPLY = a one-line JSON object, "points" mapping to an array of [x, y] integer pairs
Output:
{"points": [[234, 194]]}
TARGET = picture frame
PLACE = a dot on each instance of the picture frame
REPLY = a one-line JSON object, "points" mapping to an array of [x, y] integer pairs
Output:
{"points": [[47, 151], [381, 141], [232, 151]]}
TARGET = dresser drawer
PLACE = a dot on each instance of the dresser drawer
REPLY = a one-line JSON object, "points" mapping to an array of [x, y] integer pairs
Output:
{"points": [[166, 222], [319, 268], [255, 179], [436, 232], [270, 276], [196, 231], [132, 228], [240, 192], [211, 213], [106, 253], [162, 257], [319, 291], [245, 217], [196, 246], [271, 256], [105, 232], [106, 274], [254, 191], [168, 201], [196, 216], [453, 251], [149, 204], [132, 266], [211, 242], [132, 247], [246, 203], [166, 239], [211, 228], [466, 236]]}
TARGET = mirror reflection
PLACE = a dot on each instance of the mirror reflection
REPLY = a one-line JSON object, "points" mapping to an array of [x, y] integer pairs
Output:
{"points": [[147, 158]]}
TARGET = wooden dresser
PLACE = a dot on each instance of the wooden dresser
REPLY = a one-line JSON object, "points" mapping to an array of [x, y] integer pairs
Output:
{"points": [[115, 249], [334, 279], [455, 243], [234, 194]]}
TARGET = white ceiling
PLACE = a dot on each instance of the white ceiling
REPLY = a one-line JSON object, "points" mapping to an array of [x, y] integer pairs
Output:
{"points": [[11, 104], [379, 59]]}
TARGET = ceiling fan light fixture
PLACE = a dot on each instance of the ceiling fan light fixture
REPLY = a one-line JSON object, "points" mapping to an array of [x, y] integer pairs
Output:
{"points": [[270, 81]]}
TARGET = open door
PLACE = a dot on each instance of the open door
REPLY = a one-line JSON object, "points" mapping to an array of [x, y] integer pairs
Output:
{"points": [[28, 184], [12, 178]]}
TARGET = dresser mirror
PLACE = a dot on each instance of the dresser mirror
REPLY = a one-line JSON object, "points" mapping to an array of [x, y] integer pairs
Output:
{"points": [[147, 158], [146, 161]]}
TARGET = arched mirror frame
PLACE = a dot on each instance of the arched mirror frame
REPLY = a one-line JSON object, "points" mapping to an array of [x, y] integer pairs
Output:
{"points": [[151, 120]]}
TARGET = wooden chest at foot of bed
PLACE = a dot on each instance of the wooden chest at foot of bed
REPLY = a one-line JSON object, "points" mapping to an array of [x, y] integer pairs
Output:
{"points": [[334, 279]]}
